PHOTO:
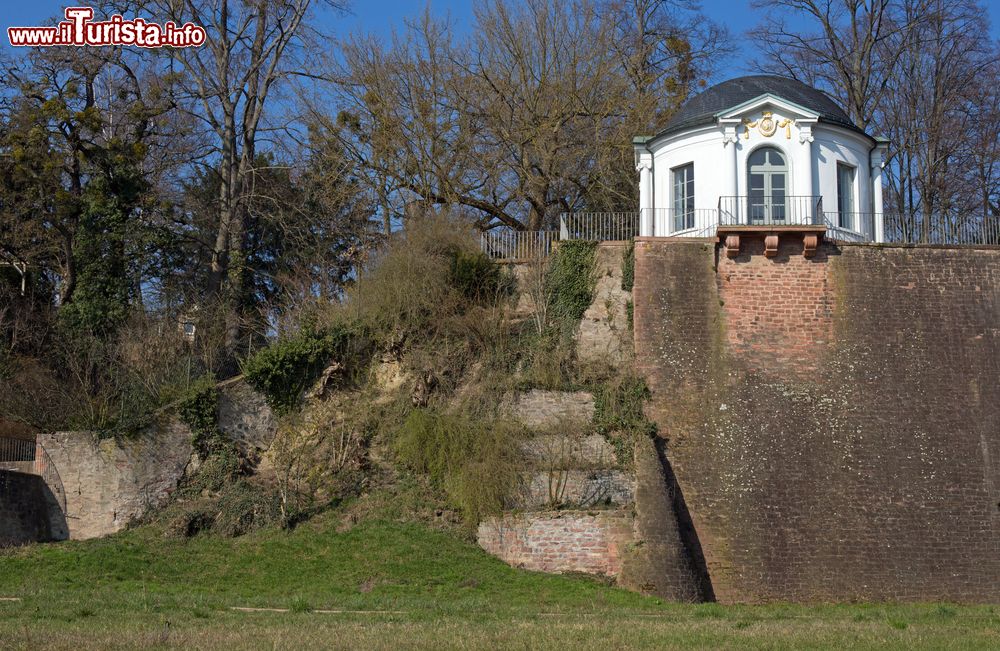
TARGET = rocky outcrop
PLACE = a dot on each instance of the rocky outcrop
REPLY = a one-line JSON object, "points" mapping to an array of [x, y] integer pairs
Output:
{"points": [[604, 336]]}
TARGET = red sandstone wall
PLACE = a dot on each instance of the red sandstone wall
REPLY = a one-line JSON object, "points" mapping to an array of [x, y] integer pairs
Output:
{"points": [[560, 541], [833, 423]]}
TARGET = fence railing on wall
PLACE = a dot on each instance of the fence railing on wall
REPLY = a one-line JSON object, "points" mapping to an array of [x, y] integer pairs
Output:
{"points": [[945, 229], [897, 228], [598, 226], [514, 246], [31, 458]]}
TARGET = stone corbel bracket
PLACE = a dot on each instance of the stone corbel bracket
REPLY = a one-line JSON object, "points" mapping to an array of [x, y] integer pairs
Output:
{"points": [[770, 245], [810, 242], [732, 245]]}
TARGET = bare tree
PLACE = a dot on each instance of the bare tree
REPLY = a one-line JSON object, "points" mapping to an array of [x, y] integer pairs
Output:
{"points": [[852, 50], [916, 71], [530, 116], [253, 51]]}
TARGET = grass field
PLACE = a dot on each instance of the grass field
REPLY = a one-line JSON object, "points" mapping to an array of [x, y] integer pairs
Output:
{"points": [[389, 586]]}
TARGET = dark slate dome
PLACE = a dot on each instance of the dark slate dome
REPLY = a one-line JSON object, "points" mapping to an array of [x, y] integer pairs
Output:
{"points": [[701, 109]]}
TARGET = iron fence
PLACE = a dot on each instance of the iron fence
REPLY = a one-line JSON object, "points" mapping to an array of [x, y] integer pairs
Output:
{"points": [[513, 246], [850, 226], [598, 226], [29, 457], [695, 222], [942, 228], [747, 211]]}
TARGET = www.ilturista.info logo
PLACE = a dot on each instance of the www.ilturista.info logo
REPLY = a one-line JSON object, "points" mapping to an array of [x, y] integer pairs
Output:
{"points": [[80, 29]]}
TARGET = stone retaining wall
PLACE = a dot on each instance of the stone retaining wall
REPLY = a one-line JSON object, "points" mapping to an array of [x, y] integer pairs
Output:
{"points": [[560, 541]]}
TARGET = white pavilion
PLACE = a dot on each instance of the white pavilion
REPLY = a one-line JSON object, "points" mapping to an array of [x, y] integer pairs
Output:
{"points": [[761, 153]]}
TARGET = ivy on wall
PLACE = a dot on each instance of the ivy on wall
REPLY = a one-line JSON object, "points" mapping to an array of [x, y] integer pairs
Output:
{"points": [[628, 267], [570, 281], [619, 416]]}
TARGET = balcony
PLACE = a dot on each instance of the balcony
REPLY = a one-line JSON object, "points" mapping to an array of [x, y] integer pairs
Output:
{"points": [[763, 211]]}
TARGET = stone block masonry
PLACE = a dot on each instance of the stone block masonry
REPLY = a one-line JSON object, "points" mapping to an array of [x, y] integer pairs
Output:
{"points": [[559, 541], [542, 410], [833, 423]]}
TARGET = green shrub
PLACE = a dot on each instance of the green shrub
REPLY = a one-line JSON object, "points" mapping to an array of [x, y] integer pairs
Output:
{"points": [[284, 370], [618, 414], [476, 276], [475, 462], [628, 267], [188, 523], [570, 281], [245, 507], [221, 467], [548, 363], [198, 409]]}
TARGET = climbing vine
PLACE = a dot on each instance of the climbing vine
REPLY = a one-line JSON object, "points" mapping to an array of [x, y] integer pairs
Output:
{"points": [[570, 281], [619, 416]]}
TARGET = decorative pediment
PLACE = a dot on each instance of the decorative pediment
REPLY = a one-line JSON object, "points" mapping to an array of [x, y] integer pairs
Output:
{"points": [[770, 116]]}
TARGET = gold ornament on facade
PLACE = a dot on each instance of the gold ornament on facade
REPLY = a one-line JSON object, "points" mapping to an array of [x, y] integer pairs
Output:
{"points": [[768, 125]]}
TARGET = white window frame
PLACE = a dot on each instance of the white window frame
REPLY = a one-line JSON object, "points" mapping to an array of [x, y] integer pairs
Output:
{"points": [[683, 217], [846, 210]]}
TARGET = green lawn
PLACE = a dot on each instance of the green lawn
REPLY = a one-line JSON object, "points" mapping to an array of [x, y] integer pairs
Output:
{"points": [[428, 589]]}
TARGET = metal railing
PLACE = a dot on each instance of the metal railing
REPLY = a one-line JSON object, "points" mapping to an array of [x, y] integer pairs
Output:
{"points": [[850, 226], [916, 228], [513, 246], [599, 226], [762, 211], [30, 458], [747, 211], [697, 222]]}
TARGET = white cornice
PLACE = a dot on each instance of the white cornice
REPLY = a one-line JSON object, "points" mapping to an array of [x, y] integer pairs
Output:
{"points": [[801, 113]]}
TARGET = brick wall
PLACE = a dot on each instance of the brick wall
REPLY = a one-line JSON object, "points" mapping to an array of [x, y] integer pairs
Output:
{"points": [[833, 423], [559, 541]]}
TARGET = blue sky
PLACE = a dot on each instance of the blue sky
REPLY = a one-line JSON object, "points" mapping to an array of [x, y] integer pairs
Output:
{"points": [[380, 16]]}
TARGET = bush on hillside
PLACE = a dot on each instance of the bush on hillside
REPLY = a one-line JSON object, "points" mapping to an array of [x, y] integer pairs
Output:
{"points": [[420, 286], [246, 506], [477, 277], [286, 369], [476, 462]]}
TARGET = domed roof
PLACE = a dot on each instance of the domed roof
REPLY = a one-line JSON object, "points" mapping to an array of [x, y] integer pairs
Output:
{"points": [[703, 107]]}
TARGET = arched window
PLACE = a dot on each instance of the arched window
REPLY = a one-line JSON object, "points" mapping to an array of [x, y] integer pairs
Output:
{"points": [[767, 184]]}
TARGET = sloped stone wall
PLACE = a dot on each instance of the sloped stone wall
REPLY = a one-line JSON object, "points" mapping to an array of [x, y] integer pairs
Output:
{"points": [[833, 423], [110, 482]]}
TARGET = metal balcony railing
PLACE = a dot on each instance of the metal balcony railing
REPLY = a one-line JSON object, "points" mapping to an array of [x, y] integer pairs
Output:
{"points": [[760, 210]]}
